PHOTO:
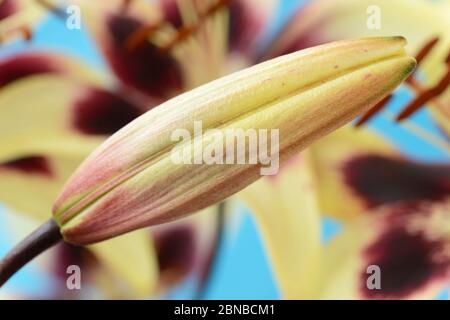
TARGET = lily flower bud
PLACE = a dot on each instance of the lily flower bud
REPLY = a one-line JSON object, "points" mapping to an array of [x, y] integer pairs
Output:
{"points": [[131, 180]]}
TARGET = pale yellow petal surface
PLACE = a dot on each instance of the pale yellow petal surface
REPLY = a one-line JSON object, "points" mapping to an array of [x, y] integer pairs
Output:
{"points": [[441, 113], [407, 242], [37, 118], [330, 155], [185, 247], [33, 193], [286, 210], [419, 21], [331, 20], [132, 259]]}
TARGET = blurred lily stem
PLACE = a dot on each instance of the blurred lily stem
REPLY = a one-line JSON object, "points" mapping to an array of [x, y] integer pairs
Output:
{"points": [[43, 238]]}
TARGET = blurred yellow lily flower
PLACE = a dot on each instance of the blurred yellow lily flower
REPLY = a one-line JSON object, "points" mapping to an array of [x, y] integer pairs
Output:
{"points": [[423, 22], [84, 107], [394, 211], [17, 18]]}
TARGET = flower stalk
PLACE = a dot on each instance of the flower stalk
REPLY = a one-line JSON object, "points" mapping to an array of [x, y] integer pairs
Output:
{"points": [[43, 238]]}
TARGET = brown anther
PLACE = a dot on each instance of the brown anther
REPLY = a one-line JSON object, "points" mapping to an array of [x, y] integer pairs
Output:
{"points": [[140, 36], [144, 33], [25, 31]]}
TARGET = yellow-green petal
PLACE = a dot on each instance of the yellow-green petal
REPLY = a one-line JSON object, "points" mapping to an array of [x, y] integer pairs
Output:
{"points": [[398, 251], [287, 213]]}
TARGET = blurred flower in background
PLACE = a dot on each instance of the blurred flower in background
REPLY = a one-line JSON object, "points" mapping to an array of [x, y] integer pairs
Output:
{"points": [[385, 183]]}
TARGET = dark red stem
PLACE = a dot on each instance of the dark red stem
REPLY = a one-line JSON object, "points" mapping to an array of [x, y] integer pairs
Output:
{"points": [[43, 238]]}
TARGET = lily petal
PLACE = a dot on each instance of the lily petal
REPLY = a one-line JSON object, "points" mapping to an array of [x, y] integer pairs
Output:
{"points": [[441, 113], [143, 186], [132, 258], [145, 68], [185, 248], [17, 17], [323, 21], [330, 20], [368, 172], [74, 119], [407, 243], [43, 142], [26, 64], [171, 12], [249, 22], [124, 267], [38, 178], [288, 215]]}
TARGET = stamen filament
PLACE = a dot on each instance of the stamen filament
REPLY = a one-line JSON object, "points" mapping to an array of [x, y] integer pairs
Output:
{"points": [[52, 8], [423, 95]]}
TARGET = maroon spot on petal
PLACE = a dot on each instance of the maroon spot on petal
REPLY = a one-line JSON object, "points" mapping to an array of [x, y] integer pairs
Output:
{"points": [[145, 68], [100, 112], [171, 12], [7, 8], [379, 180], [407, 261], [23, 65], [176, 252], [68, 255], [38, 165]]}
